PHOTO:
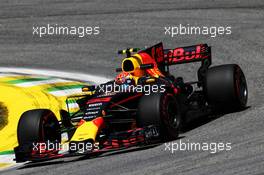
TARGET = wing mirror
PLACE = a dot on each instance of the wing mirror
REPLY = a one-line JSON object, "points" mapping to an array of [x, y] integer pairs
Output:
{"points": [[88, 88]]}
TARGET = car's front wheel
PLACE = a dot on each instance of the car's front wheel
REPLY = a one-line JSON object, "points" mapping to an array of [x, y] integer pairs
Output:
{"points": [[161, 110], [38, 125]]}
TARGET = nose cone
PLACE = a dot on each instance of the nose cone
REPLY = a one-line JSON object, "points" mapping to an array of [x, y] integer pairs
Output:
{"points": [[88, 130]]}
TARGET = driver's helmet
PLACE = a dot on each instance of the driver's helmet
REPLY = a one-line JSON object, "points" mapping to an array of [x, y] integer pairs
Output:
{"points": [[124, 78], [125, 81]]}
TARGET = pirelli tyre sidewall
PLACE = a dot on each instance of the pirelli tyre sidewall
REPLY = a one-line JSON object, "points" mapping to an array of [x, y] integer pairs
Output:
{"points": [[161, 110], [226, 87], [38, 125]]}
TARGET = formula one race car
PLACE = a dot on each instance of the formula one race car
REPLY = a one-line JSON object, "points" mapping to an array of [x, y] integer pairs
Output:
{"points": [[143, 105]]}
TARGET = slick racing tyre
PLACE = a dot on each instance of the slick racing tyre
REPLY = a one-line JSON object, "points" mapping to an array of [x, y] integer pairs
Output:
{"points": [[226, 87], [38, 125], [161, 110]]}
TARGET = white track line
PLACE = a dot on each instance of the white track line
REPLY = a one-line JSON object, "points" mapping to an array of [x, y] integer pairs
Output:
{"points": [[41, 82], [9, 160], [66, 92], [60, 74]]}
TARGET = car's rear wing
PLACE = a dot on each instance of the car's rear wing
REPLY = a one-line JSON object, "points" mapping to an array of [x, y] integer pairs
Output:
{"points": [[180, 55], [167, 57], [187, 54]]}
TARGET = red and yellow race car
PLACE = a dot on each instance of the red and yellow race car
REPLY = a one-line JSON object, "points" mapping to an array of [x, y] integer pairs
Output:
{"points": [[145, 104]]}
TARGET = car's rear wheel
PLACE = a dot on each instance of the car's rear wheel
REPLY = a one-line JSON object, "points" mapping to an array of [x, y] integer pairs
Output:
{"points": [[38, 125], [161, 110], [226, 87]]}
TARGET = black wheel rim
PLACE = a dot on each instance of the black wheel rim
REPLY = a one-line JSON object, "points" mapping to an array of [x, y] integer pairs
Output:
{"points": [[49, 128], [173, 115]]}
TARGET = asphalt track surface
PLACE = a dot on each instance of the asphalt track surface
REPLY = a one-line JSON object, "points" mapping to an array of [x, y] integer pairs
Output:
{"points": [[137, 24]]}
